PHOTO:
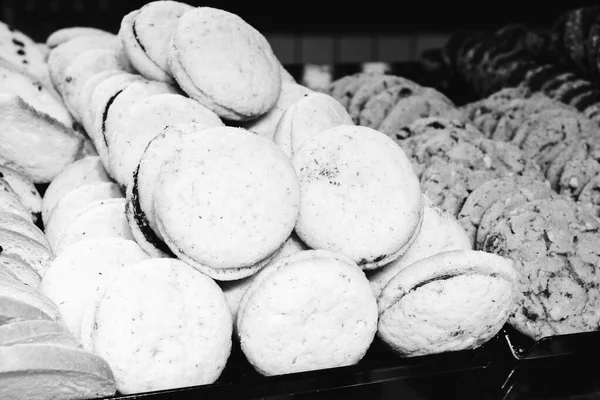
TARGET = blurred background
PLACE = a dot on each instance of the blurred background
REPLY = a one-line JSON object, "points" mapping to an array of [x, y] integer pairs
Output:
{"points": [[311, 32]]}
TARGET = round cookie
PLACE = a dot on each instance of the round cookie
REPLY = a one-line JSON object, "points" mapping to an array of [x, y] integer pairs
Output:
{"points": [[582, 166], [306, 118], [62, 35], [448, 181], [376, 85], [377, 107], [79, 173], [73, 202], [451, 301], [288, 321], [145, 119], [426, 127], [177, 321], [81, 269], [358, 171], [224, 63], [439, 232], [507, 190], [266, 124], [145, 34], [554, 245], [226, 236], [100, 219], [234, 290]]}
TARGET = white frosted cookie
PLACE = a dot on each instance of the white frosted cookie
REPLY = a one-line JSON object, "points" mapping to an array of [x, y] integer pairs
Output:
{"points": [[308, 117], [62, 55], [220, 60], [33, 92], [450, 301], [83, 67], [359, 195], [140, 192], [41, 371], [226, 201], [81, 269], [440, 232], [177, 324], [145, 34], [265, 125], [83, 171], [102, 218], [118, 106], [73, 202], [33, 143], [24, 189], [94, 119], [234, 290], [144, 120], [81, 100], [311, 310]]}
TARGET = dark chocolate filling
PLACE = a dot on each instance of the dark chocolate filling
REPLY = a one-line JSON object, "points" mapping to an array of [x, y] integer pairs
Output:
{"points": [[105, 114], [135, 35], [437, 278], [142, 221], [18, 43]]}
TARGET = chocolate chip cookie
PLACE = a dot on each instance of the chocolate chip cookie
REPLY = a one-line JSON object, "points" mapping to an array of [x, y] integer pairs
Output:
{"points": [[555, 246]]}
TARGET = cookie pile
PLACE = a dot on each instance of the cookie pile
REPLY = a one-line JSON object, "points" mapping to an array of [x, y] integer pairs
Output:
{"points": [[387, 102], [212, 200]]}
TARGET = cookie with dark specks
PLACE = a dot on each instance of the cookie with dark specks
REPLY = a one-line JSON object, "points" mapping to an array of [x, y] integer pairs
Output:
{"points": [[338, 89], [449, 181], [505, 189], [555, 246], [543, 136], [435, 137], [378, 84], [378, 106], [583, 165]]}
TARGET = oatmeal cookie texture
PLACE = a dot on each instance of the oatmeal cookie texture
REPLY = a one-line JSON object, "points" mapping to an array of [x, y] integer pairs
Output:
{"points": [[554, 244]]}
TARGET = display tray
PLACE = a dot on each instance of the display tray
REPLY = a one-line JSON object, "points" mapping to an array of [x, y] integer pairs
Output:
{"points": [[524, 349], [379, 369]]}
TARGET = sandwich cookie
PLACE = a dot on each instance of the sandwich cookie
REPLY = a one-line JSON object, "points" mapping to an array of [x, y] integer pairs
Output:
{"points": [[310, 310], [227, 65], [236, 191], [25, 190], [83, 171], [71, 204], [145, 119], [450, 301], [177, 322], [81, 269], [307, 118], [145, 34], [439, 232], [265, 124], [62, 35], [102, 218], [359, 195]]}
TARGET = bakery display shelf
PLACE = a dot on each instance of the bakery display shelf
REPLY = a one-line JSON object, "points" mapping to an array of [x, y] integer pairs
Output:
{"points": [[524, 349], [472, 372]]}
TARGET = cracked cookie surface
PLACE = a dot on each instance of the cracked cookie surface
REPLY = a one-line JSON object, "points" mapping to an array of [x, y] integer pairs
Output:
{"points": [[555, 246]]}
